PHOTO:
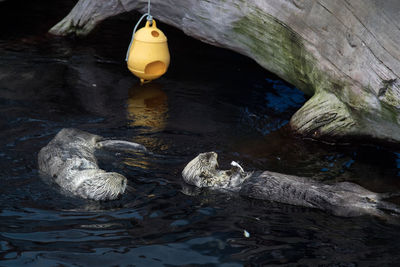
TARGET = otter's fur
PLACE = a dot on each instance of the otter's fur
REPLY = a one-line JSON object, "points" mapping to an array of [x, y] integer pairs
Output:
{"points": [[341, 199], [202, 172], [69, 161]]}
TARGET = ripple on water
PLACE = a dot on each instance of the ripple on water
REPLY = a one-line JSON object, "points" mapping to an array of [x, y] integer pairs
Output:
{"points": [[235, 108]]}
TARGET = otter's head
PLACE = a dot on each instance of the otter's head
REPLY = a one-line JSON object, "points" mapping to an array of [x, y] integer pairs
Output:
{"points": [[202, 172]]}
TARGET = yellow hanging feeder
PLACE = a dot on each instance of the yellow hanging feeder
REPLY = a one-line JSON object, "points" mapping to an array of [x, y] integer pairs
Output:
{"points": [[148, 55]]}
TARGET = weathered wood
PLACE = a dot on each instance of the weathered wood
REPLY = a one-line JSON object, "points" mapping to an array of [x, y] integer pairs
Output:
{"points": [[344, 52]]}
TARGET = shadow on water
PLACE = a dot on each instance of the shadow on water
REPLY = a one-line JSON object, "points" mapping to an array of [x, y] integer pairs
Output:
{"points": [[224, 103]]}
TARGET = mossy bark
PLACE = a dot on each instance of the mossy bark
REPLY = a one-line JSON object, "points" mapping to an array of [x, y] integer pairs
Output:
{"points": [[344, 53]]}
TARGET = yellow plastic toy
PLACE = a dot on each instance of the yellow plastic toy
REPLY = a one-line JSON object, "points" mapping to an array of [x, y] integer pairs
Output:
{"points": [[148, 56]]}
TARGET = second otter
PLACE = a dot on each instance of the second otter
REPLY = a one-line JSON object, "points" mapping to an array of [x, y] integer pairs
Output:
{"points": [[341, 199]]}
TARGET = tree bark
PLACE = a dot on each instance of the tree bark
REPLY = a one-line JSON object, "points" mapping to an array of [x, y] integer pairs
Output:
{"points": [[346, 53]]}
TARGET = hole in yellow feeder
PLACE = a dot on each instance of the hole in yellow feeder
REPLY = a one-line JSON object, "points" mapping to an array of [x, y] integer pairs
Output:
{"points": [[155, 34], [155, 68]]}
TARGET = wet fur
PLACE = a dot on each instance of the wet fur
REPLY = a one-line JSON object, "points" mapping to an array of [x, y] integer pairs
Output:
{"points": [[202, 172], [341, 199], [69, 161]]}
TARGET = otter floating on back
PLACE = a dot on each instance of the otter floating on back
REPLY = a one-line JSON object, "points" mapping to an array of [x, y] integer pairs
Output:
{"points": [[341, 199], [69, 161]]}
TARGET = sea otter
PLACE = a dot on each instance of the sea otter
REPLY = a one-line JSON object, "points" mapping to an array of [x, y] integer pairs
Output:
{"points": [[69, 161], [341, 199]]}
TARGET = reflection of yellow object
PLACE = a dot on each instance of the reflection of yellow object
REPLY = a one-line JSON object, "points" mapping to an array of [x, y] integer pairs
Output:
{"points": [[149, 55], [147, 107]]}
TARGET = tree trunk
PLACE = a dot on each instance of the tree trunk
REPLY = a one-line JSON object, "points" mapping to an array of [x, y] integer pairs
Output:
{"points": [[346, 53]]}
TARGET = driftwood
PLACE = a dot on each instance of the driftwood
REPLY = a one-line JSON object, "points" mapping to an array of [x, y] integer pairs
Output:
{"points": [[346, 53]]}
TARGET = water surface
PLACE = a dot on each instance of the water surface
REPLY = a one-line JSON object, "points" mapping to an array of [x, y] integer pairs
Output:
{"points": [[210, 100]]}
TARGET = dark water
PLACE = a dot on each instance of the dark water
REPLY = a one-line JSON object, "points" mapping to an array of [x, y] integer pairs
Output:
{"points": [[210, 100]]}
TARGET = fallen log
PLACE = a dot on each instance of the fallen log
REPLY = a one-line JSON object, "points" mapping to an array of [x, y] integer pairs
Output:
{"points": [[345, 53]]}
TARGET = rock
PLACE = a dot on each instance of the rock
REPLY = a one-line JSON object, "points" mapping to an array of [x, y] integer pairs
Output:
{"points": [[344, 53]]}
